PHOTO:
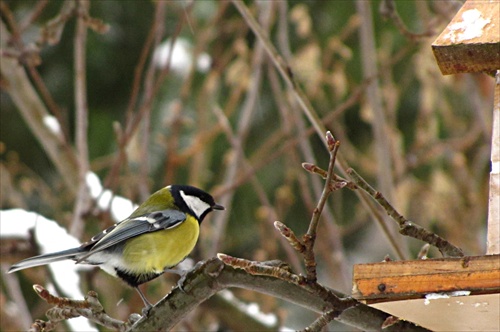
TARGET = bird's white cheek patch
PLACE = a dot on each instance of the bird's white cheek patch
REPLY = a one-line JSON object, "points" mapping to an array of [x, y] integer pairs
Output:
{"points": [[195, 204]]}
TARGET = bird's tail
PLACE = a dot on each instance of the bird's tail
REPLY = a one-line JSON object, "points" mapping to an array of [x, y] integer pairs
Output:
{"points": [[46, 259]]}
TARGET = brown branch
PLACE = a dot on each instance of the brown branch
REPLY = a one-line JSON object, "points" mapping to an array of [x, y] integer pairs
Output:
{"points": [[204, 281], [134, 119], [317, 124], [81, 107], [243, 127], [388, 11], [224, 123], [339, 182], [33, 111], [33, 16], [209, 277], [407, 227], [310, 237], [65, 308], [280, 63], [322, 321]]}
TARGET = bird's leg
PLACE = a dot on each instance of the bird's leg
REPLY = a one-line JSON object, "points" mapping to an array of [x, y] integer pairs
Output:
{"points": [[147, 304], [180, 273], [183, 274]]}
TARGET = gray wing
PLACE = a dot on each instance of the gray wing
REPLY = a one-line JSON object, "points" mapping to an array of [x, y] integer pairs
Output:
{"points": [[127, 229]]}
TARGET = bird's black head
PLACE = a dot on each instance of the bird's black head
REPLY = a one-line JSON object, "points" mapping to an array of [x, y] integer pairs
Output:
{"points": [[194, 201]]}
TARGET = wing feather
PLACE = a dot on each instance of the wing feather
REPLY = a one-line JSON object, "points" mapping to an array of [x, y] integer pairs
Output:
{"points": [[150, 222]]}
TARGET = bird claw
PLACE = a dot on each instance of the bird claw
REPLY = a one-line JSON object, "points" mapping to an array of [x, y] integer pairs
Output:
{"points": [[146, 310], [180, 282]]}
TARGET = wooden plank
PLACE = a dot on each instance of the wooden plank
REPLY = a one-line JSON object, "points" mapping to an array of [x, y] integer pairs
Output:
{"points": [[493, 238], [471, 41], [389, 281]]}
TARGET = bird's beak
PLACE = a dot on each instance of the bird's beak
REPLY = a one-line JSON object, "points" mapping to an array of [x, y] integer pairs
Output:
{"points": [[218, 207]]}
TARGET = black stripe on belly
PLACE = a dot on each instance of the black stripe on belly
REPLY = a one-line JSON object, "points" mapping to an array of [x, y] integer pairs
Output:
{"points": [[135, 280]]}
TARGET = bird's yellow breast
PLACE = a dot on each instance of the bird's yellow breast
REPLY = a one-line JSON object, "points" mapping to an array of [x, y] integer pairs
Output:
{"points": [[156, 251]]}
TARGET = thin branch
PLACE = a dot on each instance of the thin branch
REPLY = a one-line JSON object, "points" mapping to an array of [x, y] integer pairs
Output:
{"points": [[339, 182], [388, 11], [80, 41], [284, 69], [310, 237], [13, 289], [33, 16], [149, 93], [407, 227], [318, 126], [322, 321], [133, 119], [275, 269], [243, 127], [34, 112], [65, 308], [224, 122]]}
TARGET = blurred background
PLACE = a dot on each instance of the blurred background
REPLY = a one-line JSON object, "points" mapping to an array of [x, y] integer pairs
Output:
{"points": [[183, 92]]}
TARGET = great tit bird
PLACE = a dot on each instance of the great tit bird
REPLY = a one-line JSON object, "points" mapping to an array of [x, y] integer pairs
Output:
{"points": [[157, 236]]}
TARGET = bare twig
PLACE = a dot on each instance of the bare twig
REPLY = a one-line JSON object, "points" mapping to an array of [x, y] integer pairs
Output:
{"points": [[33, 110], [322, 321], [339, 182], [29, 55], [243, 127], [284, 69], [80, 41], [13, 289], [52, 31], [33, 16], [65, 308], [422, 254], [133, 119], [275, 269], [258, 187], [407, 227], [310, 237], [149, 93], [318, 126], [388, 11], [379, 122]]}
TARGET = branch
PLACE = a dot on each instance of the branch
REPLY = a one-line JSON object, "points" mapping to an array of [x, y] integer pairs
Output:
{"points": [[211, 276], [379, 218], [322, 321], [33, 111], [388, 11], [287, 74], [407, 227], [81, 139], [66, 308], [205, 280], [310, 238]]}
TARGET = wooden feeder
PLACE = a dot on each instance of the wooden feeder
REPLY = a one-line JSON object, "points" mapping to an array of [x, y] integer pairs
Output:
{"points": [[451, 294]]}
